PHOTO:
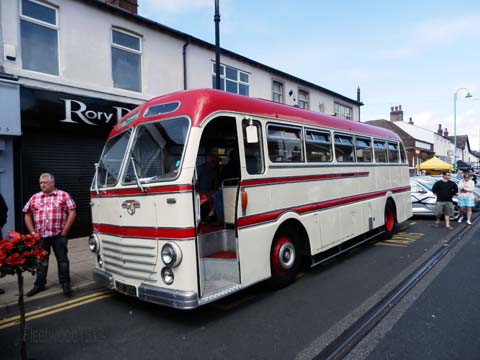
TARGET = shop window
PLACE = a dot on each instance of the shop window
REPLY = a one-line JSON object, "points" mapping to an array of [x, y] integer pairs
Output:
{"points": [[39, 37], [126, 61], [232, 80]]}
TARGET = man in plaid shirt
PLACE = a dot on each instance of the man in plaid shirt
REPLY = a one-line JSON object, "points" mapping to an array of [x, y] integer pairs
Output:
{"points": [[50, 214]]}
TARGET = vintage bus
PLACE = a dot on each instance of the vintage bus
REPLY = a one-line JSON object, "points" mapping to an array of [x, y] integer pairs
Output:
{"points": [[302, 187]]}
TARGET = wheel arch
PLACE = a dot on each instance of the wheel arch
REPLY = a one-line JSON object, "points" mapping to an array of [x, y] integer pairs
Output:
{"points": [[298, 229]]}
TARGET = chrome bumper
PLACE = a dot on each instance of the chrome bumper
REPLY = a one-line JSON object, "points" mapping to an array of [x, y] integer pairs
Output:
{"points": [[172, 298], [103, 278]]}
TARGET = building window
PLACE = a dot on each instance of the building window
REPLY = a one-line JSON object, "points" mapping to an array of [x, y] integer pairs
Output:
{"points": [[303, 99], [342, 111], [277, 92], [39, 37], [231, 80], [126, 61]]}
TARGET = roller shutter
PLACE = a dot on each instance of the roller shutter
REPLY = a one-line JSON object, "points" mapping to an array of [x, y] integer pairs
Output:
{"points": [[70, 158]]}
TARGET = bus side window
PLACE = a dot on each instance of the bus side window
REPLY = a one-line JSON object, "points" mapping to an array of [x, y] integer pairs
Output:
{"points": [[253, 151]]}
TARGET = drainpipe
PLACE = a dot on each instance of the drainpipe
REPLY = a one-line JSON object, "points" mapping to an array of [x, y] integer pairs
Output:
{"points": [[216, 18], [358, 100], [187, 42]]}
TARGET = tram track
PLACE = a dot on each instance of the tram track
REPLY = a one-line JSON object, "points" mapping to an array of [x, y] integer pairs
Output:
{"points": [[356, 332]]}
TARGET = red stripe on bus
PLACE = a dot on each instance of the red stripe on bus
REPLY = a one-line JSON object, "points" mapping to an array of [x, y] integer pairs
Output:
{"points": [[137, 191], [145, 232], [273, 215], [284, 180]]}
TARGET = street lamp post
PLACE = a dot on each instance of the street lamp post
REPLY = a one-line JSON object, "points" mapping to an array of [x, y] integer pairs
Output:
{"points": [[455, 95]]}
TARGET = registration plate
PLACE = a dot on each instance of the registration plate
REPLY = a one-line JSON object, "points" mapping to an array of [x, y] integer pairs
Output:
{"points": [[126, 289]]}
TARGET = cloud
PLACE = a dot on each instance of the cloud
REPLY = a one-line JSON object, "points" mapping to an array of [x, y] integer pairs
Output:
{"points": [[444, 31], [176, 6], [433, 33]]}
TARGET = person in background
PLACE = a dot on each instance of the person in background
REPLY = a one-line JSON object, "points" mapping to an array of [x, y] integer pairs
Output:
{"points": [[50, 214], [473, 176], [459, 175], [445, 189], [466, 197], [3, 221]]}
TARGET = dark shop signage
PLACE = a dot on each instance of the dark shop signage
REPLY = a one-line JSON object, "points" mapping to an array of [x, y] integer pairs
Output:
{"points": [[42, 109]]}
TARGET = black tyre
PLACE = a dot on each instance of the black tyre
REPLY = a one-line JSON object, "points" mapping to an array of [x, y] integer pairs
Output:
{"points": [[285, 259], [390, 219]]}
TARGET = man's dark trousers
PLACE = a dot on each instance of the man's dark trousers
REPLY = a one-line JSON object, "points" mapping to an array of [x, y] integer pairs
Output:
{"points": [[59, 245]]}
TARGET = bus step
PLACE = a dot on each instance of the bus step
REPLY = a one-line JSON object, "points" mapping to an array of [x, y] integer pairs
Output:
{"points": [[216, 289]]}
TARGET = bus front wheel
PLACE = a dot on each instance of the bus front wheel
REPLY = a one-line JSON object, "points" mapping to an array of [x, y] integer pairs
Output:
{"points": [[285, 259]]}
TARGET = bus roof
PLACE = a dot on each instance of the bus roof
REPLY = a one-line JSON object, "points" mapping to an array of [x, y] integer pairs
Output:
{"points": [[199, 104]]}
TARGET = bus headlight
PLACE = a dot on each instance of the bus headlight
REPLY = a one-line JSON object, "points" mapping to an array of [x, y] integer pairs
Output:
{"points": [[171, 254], [94, 243], [167, 275]]}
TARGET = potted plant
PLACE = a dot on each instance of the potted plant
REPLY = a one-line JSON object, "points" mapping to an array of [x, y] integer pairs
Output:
{"points": [[20, 253]]}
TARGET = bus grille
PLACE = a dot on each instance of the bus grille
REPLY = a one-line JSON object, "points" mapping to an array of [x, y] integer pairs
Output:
{"points": [[130, 258]]}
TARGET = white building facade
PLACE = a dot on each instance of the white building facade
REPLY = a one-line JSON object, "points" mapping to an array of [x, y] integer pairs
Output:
{"points": [[70, 68]]}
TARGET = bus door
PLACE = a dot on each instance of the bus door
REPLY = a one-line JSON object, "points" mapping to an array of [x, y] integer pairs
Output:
{"points": [[216, 187]]}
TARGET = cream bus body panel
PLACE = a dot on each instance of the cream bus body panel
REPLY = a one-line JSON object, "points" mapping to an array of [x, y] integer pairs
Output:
{"points": [[325, 227]]}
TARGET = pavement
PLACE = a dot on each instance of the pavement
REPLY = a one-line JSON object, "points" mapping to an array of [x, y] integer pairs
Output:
{"points": [[82, 261]]}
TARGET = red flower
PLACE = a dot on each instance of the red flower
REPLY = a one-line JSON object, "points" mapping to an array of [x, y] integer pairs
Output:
{"points": [[13, 237], [26, 253], [29, 240], [3, 255], [39, 253], [7, 246], [15, 259]]}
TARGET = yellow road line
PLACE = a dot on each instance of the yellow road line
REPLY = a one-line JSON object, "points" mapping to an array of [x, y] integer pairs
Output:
{"points": [[395, 241], [5, 323], [386, 244]]}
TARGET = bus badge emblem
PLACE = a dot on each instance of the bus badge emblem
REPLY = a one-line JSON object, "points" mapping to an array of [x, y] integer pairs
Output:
{"points": [[130, 205]]}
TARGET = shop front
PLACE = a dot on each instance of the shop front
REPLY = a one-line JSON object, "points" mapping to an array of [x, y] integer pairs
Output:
{"points": [[63, 134]]}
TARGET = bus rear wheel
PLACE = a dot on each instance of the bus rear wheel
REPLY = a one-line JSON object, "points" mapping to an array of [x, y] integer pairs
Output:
{"points": [[285, 259], [390, 219]]}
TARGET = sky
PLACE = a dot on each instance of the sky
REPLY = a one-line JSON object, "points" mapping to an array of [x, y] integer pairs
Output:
{"points": [[414, 53]]}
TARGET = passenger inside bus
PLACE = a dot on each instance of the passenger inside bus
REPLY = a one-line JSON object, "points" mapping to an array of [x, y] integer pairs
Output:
{"points": [[229, 175], [208, 183]]}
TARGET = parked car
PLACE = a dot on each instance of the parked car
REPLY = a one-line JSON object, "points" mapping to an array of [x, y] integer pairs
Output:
{"points": [[423, 199]]}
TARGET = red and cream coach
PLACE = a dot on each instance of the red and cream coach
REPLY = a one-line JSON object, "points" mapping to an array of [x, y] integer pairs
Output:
{"points": [[308, 187]]}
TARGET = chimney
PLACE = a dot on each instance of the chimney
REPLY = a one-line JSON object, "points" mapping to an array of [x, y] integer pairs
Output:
{"points": [[396, 113], [358, 93], [440, 131], [129, 5], [410, 121], [445, 132]]}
